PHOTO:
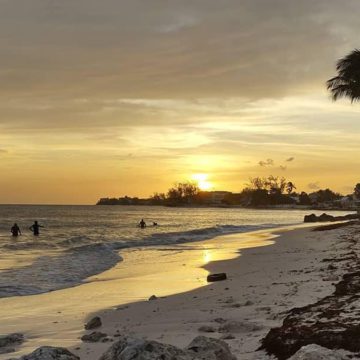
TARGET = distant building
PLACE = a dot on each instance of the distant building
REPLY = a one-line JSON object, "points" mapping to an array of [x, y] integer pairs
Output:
{"points": [[212, 197]]}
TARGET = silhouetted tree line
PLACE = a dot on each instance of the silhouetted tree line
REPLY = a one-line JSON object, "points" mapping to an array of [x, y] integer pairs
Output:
{"points": [[259, 192]]}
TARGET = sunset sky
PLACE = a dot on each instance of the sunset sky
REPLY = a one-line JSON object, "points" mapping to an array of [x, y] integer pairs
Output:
{"points": [[114, 97]]}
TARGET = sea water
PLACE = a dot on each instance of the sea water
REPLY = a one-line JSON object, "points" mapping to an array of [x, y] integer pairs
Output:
{"points": [[77, 242]]}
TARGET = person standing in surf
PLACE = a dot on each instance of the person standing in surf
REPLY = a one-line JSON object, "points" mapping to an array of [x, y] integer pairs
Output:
{"points": [[35, 228], [15, 230], [142, 224]]}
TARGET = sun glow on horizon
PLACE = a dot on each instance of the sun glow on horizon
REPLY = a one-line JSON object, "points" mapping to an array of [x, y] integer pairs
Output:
{"points": [[202, 181]]}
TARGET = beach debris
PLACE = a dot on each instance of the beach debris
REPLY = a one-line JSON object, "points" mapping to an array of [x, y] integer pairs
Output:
{"points": [[200, 348], [234, 326], [331, 322], [216, 277], [207, 329], [94, 323], [7, 342], [316, 352], [95, 336], [50, 353], [153, 297]]}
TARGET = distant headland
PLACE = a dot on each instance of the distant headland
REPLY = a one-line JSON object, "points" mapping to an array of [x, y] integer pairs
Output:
{"points": [[271, 191]]}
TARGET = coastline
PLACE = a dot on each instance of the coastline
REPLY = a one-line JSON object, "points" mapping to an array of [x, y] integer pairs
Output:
{"points": [[264, 283], [259, 291]]}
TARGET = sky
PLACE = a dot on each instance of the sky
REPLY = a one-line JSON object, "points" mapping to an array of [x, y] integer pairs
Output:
{"points": [[114, 97]]}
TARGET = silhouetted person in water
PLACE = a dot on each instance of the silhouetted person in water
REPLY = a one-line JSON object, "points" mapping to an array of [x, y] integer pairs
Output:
{"points": [[155, 223], [15, 230], [142, 224], [35, 228]]}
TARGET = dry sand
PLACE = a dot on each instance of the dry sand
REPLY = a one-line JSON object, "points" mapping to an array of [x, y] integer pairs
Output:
{"points": [[263, 283]]}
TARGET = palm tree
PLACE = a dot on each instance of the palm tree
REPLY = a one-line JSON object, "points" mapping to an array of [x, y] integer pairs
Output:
{"points": [[347, 82]]}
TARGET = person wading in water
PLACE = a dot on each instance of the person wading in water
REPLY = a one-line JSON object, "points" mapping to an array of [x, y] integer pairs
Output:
{"points": [[15, 230], [35, 227]]}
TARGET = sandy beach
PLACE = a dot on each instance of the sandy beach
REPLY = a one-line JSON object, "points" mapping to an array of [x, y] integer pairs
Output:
{"points": [[276, 271]]}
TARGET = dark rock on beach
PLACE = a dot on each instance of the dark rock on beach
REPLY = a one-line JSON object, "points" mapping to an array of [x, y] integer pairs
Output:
{"points": [[93, 323], [50, 353], [201, 348], [95, 336], [8, 342], [206, 348], [216, 277], [327, 218]]}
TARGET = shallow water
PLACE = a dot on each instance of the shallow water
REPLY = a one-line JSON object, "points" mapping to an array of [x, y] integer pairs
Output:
{"points": [[80, 241]]}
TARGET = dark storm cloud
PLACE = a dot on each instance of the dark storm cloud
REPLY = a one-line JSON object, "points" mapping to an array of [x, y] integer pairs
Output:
{"points": [[179, 49]]}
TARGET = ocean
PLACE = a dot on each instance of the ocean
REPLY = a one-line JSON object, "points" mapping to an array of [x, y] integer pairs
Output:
{"points": [[81, 241]]}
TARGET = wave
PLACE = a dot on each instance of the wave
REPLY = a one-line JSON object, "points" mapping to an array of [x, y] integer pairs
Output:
{"points": [[182, 237], [48, 273], [81, 258]]}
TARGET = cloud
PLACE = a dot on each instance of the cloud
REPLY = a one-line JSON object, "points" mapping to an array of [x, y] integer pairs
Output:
{"points": [[181, 50], [290, 159], [267, 162], [282, 167], [314, 185]]}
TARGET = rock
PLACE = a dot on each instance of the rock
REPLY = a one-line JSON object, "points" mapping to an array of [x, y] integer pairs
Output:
{"points": [[95, 336], [325, 217], [7, 342], [210, 349], [310, 218], [93, 323], [206, 328], [50, 353], [216, 277], [138, 349], [201, 348], [153, 297], [316, 352]]}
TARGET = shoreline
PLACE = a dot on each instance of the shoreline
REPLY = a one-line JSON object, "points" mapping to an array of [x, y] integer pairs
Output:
{"points": [[60, 321], [194, 307], [241, 311]]}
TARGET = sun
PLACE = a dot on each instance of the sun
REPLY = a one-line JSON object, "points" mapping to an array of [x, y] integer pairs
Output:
{"points": [[202, 182]]}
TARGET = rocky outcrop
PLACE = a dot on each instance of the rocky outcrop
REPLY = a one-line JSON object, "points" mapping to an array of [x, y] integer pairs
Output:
{"points": [[50, 353], [333, 322], [8, 342], [326, 218], [201, 348], [94, 323]]}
